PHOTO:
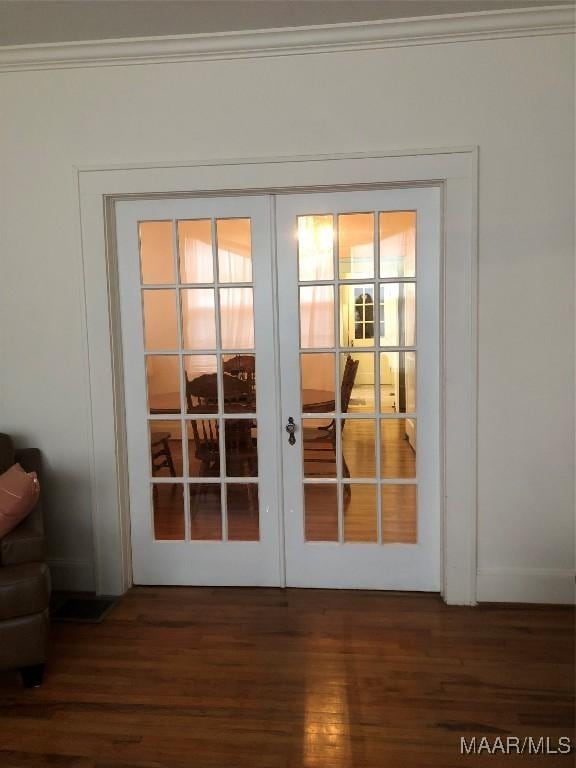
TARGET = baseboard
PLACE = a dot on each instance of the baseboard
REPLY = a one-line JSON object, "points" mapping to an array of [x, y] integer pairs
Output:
{"points": [[525, 585], [72, 575], [494, 585]]}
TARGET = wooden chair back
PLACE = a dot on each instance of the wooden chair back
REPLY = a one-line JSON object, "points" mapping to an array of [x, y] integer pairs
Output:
{"points": [[348, 379], [202, 393], [206, 445], [243, 367]]}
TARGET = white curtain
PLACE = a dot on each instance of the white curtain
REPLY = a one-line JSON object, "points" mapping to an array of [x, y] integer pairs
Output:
{"points": [[315, 258], [198, 304], [315, 262]]}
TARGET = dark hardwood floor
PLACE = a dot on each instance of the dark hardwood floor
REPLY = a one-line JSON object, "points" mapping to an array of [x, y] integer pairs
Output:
{"points": [[265, 678]]}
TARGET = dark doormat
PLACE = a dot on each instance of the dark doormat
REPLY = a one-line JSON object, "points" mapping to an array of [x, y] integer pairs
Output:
{"points": [[89, 610]]}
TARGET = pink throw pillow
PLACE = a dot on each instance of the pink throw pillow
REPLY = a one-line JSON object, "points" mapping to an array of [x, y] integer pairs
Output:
{"points": [[19, 491]]}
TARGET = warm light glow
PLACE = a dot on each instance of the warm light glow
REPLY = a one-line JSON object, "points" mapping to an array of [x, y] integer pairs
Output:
{"points": [[326, 720], [315, 247], [313, 236]]}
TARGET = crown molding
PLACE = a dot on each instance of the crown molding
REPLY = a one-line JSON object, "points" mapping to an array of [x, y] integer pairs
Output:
{"points": [[333, 38]]}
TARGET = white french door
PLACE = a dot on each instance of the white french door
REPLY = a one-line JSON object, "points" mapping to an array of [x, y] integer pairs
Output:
{"points": [[290, 440], [360, 380], [197, 319]]}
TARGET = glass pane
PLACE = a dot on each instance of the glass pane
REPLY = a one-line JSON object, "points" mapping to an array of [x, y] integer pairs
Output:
{"points": [[398, 244], [203, 448], [398, 382], [399, 514], [241, 448], [160, 328], [234, 250], [360, 513], [195, 251], [205, 512], [163, 383], [168, 508], [319, 447], [358, 448], [317, 378], [156, 255], [397, 448], [357, 382], [243, 517], [239, 383], [237, 318], [320, 512], [166, 448], [316, 247], [317, 316], [357, 315], [356, 245], [201, 383], [198, 323], [397, 314]]}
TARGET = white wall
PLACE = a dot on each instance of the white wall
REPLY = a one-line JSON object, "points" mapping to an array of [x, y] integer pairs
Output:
{"points": [[514, 98]]}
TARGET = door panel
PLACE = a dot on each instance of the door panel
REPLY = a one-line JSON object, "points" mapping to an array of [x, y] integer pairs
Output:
{"points": [[360, 286], [197, 317]]}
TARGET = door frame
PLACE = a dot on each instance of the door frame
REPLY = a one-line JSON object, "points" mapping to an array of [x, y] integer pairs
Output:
{"points": [[454, 171]]}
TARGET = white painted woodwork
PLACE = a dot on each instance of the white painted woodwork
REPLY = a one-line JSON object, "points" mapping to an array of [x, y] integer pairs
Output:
{"points": [[365, 565]]}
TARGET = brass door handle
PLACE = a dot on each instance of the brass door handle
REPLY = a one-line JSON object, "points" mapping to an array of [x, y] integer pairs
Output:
{"points": [[291, 428]]}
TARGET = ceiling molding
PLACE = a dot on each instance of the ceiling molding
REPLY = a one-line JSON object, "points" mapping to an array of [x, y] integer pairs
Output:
{"points": [[334, 38]]}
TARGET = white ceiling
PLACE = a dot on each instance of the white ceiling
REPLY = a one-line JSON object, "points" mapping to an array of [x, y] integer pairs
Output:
{"points": [[50, 21]]}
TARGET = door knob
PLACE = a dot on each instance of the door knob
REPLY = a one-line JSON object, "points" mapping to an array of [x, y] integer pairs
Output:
{"points": [[291, 428]]}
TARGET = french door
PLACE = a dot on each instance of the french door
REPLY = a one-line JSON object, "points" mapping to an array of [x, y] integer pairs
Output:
{"points": [[359, 331], [281, 358], [197, 318]]}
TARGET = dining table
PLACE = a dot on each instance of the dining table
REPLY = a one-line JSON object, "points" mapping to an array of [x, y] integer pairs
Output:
{"points": [[318, 401], [238, 396], [237, 393], [164, 403]]}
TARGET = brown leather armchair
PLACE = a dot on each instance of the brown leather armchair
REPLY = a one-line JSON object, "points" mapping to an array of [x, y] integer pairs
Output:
{"points": [[24, 581]]}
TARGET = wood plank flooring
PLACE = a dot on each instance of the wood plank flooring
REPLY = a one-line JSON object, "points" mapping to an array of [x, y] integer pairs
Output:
{"points": [[268, 678]]}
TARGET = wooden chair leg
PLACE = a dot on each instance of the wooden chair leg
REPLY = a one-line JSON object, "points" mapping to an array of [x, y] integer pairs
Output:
{"points": [[346, 473], [168, 454]]}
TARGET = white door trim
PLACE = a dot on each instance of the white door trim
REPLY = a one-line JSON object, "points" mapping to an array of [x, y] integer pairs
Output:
{"points": [[455, 171]]}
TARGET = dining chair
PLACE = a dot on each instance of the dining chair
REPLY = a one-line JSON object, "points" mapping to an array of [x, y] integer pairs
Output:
{"points": [[323, 439], [241, 451], [206, 437], [161, 458], [202, 393], [243, 367], [161, 453]]}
